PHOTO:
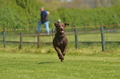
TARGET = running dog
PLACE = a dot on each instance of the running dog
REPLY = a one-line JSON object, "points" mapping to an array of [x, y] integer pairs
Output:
{"points": [[60, 40]]}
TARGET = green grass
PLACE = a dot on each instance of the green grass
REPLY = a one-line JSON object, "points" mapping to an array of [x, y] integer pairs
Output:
{"points": [[48, 66], [86, 62]]}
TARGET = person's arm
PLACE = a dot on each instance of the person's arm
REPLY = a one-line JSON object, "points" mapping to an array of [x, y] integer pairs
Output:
{"points": [[48, 13]]}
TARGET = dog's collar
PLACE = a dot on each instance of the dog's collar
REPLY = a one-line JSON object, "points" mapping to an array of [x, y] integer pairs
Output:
{"points": [[61, 36]]}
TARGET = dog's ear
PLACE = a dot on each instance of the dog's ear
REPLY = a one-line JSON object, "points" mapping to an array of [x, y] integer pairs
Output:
{"points": [[55, 24], [66, 24]]}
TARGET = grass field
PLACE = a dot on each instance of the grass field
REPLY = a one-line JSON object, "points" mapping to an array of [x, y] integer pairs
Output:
{"points": [[48, 66], [86, 62]]}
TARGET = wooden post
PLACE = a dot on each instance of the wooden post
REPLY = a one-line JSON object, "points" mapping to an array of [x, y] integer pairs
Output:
{"points": [[20, 46], [102, 38], [4, 38], [76, 38], [38, 40]]}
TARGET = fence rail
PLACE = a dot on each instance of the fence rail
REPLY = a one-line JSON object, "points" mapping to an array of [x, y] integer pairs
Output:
{"points": [[73, 27], [74, 33]]}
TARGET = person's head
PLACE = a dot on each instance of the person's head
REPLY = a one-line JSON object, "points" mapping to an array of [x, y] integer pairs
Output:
{"points": [[41, 8]]}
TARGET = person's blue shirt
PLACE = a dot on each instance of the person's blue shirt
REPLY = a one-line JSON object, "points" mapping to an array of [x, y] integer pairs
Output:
{"points": [[44, 16]]}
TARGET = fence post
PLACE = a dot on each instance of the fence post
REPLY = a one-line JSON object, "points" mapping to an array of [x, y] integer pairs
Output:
{"points": [[38, 40], [76, 38], [102, 38], [4, 38], [20, 46]]}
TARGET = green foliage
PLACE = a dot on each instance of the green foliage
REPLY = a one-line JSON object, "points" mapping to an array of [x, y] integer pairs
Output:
{"points": [[18, 13], [98, 16]]}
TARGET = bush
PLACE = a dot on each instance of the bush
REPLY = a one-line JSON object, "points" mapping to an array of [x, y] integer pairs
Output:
{"points": [[18, 13]]}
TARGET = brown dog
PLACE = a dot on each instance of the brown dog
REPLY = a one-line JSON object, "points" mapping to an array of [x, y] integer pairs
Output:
{"points": [[60, 41]]}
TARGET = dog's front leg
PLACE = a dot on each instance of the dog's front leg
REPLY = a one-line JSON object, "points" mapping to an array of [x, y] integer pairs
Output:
{"points": [[64, 50], [60, 55]]}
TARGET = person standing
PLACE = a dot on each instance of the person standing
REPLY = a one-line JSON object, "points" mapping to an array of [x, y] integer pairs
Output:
{"points": [[44, 20]]}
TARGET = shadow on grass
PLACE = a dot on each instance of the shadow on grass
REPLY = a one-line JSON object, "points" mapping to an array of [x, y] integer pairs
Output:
{"points": [[47, 62]]}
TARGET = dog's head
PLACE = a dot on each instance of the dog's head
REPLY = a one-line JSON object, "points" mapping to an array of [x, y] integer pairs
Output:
{"points": [[60, 27]]}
